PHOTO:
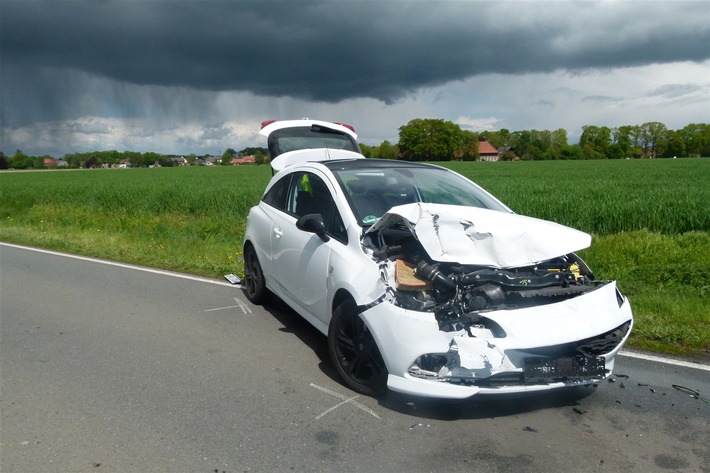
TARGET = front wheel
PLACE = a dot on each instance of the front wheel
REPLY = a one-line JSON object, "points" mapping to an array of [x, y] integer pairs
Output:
{"points": [[354, 352], [254, 284]]}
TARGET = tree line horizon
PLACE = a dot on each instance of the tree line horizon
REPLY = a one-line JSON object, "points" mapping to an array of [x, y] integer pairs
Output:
{"points": [[428, 139]]}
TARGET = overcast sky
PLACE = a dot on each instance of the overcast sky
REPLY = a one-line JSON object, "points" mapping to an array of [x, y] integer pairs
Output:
{"points": [[190, 76]]}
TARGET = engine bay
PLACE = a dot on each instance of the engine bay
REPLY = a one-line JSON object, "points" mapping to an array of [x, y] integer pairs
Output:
{"points": [[459, 295]]}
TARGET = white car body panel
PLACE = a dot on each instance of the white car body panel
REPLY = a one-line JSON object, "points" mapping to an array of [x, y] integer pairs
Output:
{"points": [[404, 335], [302, 156], [295, 253], [470, 235]]}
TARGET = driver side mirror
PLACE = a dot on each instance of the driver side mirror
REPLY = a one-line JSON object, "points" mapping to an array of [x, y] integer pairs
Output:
{"points": [[313, 223]]}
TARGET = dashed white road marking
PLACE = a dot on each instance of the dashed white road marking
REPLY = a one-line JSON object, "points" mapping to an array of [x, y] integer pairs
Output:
{"points": [[345, 399]]}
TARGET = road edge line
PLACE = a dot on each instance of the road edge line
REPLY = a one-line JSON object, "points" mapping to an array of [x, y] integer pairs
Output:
{"points": [[122, 265], [661, 359]]}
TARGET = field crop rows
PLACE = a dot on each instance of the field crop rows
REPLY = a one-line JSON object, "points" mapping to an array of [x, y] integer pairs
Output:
{"points": [[650, 221], [604, 197]]}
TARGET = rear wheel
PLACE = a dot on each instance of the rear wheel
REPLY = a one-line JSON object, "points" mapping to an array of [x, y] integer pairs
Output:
{"points": [[254, 284], [354, 352]]}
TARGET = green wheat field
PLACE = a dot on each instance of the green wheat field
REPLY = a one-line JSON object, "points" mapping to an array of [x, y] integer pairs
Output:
{"points": [[650, 221]]}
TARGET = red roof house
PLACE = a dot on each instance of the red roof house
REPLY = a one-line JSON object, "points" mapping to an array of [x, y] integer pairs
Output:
{"points": [[243, 160], [486, 151]]}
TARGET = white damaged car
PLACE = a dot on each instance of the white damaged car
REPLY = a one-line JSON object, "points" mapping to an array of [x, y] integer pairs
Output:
{"points": [[423, 282]]}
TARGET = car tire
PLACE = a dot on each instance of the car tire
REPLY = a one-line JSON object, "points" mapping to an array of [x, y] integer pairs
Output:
{"points": [[354, 352], [254, 284]]}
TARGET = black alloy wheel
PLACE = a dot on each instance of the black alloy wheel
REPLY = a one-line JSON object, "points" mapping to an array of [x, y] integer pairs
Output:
{"points": [[254, 284], [354, 351]]}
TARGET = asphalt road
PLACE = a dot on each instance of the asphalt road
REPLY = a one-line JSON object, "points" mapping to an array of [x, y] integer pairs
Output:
{"points": [[110, 368]]}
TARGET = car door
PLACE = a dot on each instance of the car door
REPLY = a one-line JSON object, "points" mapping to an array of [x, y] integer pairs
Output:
{"points": [[263, 227], [301, 259]]}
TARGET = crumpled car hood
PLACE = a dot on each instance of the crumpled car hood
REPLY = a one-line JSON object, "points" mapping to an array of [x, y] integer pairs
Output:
{"points": [[475, 236]]}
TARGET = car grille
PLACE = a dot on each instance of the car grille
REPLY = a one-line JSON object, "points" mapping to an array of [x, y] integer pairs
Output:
{"points": [[594, 346]]}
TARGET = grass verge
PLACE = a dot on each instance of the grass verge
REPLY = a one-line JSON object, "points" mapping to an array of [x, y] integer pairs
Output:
{"points": [[667, 279]]}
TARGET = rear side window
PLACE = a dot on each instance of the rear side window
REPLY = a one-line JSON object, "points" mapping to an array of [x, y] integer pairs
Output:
{"points": [[276, 196]]}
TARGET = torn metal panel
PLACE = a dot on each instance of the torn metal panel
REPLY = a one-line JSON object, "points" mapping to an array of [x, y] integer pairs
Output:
{"points": [[424, 360], [475, 236], [571, 319]]}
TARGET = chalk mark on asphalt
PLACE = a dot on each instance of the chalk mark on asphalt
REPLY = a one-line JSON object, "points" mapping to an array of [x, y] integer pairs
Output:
{"points": [[246, 310], [345, 399]]}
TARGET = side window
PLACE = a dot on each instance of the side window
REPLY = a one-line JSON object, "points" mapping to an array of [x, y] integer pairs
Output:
{"points": [[310, 195], [276, 197], [301, 198]]}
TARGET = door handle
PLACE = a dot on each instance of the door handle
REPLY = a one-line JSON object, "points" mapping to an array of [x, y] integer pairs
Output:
{"points": [[278, 232]]}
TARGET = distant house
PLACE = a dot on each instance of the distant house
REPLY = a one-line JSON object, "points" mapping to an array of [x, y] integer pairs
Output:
{"points": [[506, 153], [207, 160], [179, 161], [487, 152], [55, 163], [243, 160]]}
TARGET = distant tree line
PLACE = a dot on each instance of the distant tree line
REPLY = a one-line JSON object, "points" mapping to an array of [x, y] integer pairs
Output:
{"points": [[440, 140], [113, 158], [427, 139]]}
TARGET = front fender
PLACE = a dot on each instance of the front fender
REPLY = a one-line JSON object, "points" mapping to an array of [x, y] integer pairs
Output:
{"points": [[359, 276]]}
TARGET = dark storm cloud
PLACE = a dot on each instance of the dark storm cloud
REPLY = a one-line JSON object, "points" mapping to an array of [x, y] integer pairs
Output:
{"points": [[332, 50]]}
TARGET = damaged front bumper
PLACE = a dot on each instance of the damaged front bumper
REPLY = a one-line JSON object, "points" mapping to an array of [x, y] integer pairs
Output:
{"points": [[568, 343]]}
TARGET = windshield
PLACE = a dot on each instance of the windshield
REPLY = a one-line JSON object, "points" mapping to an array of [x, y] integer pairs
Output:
{"points": [[372, 192], [309, 137]]}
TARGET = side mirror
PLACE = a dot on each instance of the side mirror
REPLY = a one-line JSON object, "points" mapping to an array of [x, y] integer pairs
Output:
{"points": [[313, 223]]}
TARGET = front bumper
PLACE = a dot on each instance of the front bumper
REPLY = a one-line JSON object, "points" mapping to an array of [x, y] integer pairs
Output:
{"points": [[594, 325]]}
